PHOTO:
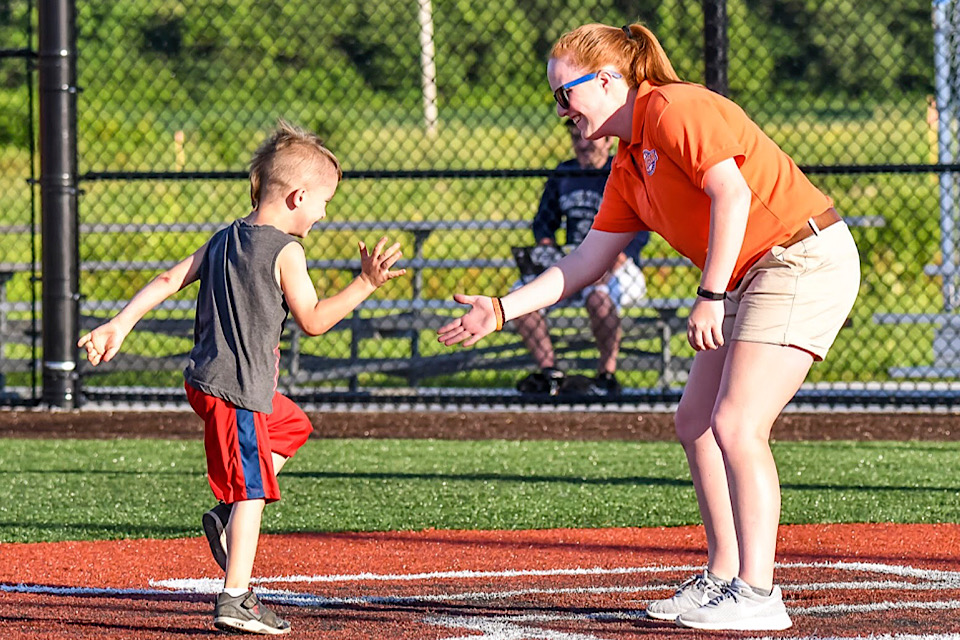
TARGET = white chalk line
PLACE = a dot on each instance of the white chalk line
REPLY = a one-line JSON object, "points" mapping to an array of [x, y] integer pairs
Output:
{"points": [[518, 627], [465, 575], [882, 636], [927, 580], [932, 575]]}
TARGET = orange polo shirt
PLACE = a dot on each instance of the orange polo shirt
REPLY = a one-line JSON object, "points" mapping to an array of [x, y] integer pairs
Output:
{"points": [[656, 182]]}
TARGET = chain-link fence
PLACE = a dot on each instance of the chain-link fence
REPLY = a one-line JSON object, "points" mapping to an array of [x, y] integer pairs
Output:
{"points": [[441, 115], [18, 240]]}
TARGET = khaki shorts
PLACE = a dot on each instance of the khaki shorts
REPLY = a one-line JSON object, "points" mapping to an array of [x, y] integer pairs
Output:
{"points": [[797, 296]]}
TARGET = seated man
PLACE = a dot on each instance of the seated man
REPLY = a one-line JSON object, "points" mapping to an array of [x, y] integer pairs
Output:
{"points": [[575, 199]]}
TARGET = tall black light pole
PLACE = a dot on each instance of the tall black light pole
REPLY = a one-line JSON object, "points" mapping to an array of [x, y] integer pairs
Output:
{"points": [[58, 192], [715, 45]]}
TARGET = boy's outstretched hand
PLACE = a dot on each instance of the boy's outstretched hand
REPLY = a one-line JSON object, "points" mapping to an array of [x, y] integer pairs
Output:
{"points": [[102, 343], [375, 267], [471, 326]]}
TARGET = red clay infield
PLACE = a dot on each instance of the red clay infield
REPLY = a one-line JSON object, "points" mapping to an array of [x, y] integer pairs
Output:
{"points": [[840, 581]]}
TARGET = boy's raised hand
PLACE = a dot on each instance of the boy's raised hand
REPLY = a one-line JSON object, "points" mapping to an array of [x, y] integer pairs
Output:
{"points": [[375, 266], [473, 325], [102, 343]]}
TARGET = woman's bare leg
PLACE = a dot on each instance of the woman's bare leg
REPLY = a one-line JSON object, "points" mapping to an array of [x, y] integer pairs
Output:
{"points": [[693, 421], [758, 381]]}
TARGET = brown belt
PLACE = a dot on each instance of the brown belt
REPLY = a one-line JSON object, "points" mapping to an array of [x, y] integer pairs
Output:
{"points": [[822, 221]]}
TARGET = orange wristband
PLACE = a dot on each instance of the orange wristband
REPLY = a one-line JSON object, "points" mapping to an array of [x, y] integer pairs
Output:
{"points": [[498, 312]]}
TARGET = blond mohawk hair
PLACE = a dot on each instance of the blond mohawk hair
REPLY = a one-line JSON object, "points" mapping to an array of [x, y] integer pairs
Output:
{"points": [[290, 155]]}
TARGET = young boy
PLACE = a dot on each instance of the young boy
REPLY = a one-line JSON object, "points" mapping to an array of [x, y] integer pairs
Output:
{"points": [[250, 274]]}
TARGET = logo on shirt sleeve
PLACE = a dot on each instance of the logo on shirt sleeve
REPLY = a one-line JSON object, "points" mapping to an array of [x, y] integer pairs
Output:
{"points": [[650, 160]]}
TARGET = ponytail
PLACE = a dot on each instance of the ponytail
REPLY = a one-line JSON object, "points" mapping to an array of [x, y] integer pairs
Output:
{"points": [[633, 50], [650, 62]]}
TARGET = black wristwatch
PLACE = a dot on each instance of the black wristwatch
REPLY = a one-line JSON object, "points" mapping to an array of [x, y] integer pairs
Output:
{"points": [[710, 295]]}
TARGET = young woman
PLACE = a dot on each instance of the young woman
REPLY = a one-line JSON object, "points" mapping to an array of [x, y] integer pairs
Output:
{"points": [[780, 273]]}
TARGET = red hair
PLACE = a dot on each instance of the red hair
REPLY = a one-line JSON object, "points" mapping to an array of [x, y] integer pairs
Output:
{"points": [[638, 56]]}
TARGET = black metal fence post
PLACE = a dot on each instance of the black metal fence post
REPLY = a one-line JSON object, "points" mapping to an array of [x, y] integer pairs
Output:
{"points": [[715, 45], [58, 192]]}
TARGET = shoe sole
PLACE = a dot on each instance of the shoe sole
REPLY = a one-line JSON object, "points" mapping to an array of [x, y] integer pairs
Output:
{"points": [[225, 623], [662, 616], [213, 529], [769, 623], [669, 617]]}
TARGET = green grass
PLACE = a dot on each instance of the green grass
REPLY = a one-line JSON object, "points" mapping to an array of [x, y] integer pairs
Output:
{"points": [[110, 489]]}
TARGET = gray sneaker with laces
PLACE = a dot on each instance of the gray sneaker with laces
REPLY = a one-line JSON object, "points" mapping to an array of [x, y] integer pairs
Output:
{"points": [[740, 608], [246, 613], [692, 594]]}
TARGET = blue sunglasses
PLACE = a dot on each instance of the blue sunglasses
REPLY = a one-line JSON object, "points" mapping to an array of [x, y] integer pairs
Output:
{"points": [[562, 94]]}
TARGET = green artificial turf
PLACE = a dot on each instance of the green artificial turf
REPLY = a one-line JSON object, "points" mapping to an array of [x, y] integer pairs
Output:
{"points": [[108, 489]]}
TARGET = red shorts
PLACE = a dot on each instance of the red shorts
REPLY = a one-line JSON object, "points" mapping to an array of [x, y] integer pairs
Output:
{"points": [[239, 444]]}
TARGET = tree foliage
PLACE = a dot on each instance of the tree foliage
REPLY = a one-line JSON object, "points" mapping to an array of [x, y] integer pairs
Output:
{"points": [[222, 59]]}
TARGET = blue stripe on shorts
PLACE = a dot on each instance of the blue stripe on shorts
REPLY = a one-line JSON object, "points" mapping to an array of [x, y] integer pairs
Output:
{"points": [[249, 454]]}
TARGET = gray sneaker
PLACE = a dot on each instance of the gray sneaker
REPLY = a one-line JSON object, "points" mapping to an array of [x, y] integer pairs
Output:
{"points": [[739, 608], [692, 594], [246, 613], [214, 527]]}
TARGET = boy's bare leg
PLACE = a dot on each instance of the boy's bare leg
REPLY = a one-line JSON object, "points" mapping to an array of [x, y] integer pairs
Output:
{"points": [[278, 462], [605, 324], [243, 533], [238, 608]]}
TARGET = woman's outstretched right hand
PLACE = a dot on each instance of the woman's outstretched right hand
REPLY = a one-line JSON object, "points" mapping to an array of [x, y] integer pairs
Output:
{"points": [[471, 326]]}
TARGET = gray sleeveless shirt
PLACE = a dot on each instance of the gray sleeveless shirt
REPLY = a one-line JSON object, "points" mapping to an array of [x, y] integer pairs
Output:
{"points": [[240, 316]]}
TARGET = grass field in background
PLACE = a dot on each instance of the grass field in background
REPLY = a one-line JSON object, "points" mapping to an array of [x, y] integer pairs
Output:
{"points": [[109, 489]]}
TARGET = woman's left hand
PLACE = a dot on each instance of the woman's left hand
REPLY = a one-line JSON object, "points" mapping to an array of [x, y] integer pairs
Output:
{"points": [[705, 325]]}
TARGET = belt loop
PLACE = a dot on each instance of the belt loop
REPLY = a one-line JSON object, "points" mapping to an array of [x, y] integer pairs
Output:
{"points": [[813, 225]]}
